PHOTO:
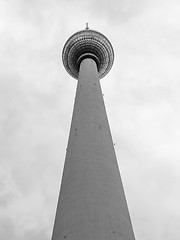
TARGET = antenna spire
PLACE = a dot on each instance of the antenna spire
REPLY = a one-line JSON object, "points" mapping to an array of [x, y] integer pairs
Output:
{"points": [[87, 27]]}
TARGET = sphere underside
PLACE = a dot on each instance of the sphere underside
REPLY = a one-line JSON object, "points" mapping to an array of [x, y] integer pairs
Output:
{"points": [[87, 44]]}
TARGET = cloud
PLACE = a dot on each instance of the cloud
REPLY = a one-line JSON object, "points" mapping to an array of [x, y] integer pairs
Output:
{"points": [[117, 12]]}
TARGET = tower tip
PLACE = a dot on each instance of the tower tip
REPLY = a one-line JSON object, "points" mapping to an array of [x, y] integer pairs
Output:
{"points": [[87, 27]]}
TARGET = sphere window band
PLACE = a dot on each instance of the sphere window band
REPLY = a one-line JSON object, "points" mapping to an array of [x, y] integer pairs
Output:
{"points": [[87, 44]]}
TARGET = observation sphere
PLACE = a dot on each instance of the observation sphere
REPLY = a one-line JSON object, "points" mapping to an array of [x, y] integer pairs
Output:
{"points": [[87, 44]]}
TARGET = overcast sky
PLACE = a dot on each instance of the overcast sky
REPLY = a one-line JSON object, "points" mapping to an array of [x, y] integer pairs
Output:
{"points": [[142, 97]]}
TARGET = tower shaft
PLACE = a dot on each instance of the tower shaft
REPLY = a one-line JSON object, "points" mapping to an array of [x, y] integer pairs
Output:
{"points": [[92, 204]]}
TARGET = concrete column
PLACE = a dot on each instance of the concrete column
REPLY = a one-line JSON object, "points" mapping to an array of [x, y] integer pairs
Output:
{"points": [[92, 204]]}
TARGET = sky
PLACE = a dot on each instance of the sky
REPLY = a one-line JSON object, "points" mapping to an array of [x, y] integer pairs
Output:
{"points": [[142, 98]]}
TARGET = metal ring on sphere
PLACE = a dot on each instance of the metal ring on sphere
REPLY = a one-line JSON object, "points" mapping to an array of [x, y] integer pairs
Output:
{"points": [[87, 44]]}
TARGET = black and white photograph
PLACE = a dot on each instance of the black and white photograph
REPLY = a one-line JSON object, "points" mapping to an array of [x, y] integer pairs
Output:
{"points": [[89, 120]]}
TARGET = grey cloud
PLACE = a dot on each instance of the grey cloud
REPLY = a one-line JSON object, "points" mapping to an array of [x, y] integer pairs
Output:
{"points": [[7, 230], [116, 11], [36, 235], [113, 11]]}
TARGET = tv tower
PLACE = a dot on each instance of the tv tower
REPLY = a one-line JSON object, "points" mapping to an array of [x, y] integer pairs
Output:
{"points": [[92, 203]]}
